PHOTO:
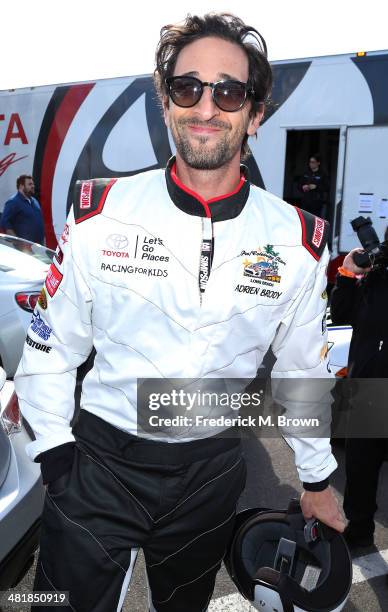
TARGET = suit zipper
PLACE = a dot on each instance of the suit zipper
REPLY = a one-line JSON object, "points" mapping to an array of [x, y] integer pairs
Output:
{"points": [[206, 256]]}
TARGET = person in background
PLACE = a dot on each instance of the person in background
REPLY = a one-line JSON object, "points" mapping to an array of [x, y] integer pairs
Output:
{"points": [[314, 187], [22, 215], [360, 299]]}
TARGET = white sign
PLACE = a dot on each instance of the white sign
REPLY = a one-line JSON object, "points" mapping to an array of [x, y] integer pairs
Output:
{"points": [[365, 203], [383, 208]]}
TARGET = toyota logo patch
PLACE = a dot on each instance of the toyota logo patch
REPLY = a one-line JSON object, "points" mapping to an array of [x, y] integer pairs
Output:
{"points": [[117, 241]]}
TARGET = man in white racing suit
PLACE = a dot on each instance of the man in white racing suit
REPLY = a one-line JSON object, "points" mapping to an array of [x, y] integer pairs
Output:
{"points": [[191, 272]]}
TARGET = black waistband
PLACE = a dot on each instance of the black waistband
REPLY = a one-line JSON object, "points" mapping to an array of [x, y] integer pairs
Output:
{"points": [[103, 436]]}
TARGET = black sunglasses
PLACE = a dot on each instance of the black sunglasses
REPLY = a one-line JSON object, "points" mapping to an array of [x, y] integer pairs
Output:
{"points": [[229, 96]]}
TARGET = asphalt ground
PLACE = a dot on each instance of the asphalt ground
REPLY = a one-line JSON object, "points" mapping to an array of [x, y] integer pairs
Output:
{"points": [[272, 481]]}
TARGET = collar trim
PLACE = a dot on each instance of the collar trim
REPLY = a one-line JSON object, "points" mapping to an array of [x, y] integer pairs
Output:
{"points": [[231, 193], [189, 191], [220, 208]]}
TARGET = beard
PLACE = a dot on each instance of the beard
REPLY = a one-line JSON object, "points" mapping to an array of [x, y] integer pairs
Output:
{"points": [[200, 155], [29, 192]]}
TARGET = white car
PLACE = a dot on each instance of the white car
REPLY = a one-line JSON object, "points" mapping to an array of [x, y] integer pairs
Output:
{"points": [[23, 269], [339, 337], [339, 342], [21, 491]]}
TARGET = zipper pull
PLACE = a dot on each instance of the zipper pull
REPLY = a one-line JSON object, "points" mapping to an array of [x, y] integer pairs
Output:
{"points": [[381, 344], [206, 257]]}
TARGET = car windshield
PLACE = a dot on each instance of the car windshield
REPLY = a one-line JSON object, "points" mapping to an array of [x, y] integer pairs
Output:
{"points": [[37, 251]]}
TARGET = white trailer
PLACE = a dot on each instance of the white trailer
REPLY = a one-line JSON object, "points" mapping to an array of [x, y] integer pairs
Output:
{"points": [[337, 105]]}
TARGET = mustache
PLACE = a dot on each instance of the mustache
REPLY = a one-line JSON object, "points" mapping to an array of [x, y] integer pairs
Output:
{"points": [[212, 123]]}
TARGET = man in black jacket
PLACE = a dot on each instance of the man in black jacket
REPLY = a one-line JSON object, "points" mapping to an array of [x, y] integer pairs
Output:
{"points": [[314, 187], [362, 302]]}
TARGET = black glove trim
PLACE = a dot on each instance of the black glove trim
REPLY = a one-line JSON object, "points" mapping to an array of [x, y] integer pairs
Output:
{"points": [[316, 486], [56, 461]]}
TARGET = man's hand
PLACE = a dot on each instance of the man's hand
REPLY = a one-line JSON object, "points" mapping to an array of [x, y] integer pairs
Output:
{"points": [[322, 505], [351, 266], [312, 186]]}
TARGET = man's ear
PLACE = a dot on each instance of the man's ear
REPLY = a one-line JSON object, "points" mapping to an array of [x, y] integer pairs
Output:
{"points": [[165, 105], [255, 121]]}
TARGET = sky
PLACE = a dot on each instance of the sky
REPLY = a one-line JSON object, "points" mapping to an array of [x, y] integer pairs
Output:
{"points": [[49, 42]]}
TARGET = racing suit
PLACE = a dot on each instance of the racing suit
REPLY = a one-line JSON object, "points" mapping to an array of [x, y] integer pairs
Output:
{"points": [[163, 285]]}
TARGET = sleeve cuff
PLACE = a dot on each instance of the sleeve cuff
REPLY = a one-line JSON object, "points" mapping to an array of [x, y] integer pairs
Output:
{"points": [[56, 461], [345, 272], [346, 281], [316, 486]]}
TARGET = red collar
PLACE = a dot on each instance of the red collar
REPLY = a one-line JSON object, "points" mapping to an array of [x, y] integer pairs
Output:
{"points": [[222, 207]]}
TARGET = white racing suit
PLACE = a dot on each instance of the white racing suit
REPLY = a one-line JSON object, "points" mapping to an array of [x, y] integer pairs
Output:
{"points": [[164, 285]]}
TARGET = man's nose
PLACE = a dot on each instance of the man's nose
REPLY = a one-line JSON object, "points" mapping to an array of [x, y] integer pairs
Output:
{"points": [[206, 107]]}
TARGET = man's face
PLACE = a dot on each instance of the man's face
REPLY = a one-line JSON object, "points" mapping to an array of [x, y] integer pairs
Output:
{"points": [[314, 164], [28, 188], [206, 137]]}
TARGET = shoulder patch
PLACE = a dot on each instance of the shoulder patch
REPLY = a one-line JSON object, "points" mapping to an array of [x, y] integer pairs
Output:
{"points": [[90, 196], [315, 232]]}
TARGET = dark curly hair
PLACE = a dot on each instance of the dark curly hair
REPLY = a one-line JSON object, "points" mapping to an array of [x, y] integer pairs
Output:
{"points": [[22, 179], [173, 38]]}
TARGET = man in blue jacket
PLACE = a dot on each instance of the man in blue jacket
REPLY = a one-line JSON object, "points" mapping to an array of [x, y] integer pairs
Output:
{"points": [[22, 215]]}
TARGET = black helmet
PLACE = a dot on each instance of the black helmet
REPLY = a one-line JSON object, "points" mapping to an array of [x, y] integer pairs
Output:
{"points": [[282, 563]]}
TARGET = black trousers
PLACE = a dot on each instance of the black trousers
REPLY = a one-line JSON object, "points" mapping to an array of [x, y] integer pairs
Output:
{"points": [[175, 501], [364, 458]]}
